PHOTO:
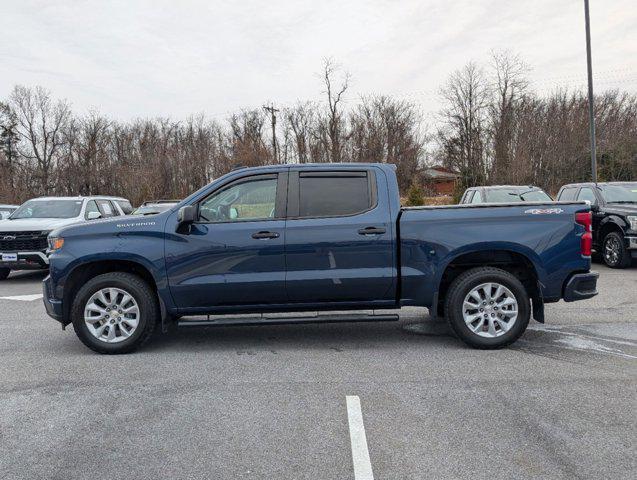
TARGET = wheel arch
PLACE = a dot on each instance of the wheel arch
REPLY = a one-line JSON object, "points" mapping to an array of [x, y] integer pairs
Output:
{"points": [[519, 264], [83, 272], [611, 224]]}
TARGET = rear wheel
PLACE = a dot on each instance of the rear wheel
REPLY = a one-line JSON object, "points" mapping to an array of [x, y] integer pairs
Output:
{"points": [[115, 313], [614, 251], [487, 307], [4, 273]]}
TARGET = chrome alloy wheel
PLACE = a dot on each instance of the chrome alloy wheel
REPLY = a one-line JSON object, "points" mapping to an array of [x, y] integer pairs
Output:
{"points": [[111, 315], [612, 250], [490, 310]]}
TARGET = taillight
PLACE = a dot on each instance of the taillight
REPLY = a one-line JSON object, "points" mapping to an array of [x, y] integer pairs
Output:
{"points": [[586, 220]]}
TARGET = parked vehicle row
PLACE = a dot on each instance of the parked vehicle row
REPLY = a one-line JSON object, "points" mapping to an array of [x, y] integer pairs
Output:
{"points": [[24, 232], [614, 207], [317, 237]]}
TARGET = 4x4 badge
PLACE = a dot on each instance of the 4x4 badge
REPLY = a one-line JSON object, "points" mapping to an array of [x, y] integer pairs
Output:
{"points": [[543, 211]]}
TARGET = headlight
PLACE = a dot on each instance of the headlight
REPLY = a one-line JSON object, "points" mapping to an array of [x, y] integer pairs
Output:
{"points": [[632, 219], [55, 243]]}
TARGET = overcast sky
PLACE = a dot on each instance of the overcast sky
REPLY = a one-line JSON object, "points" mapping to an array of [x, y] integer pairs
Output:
{"points": [[147, 58]]}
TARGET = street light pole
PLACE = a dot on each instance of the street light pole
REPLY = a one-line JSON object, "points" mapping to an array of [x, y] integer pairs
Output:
{"points": [[589, 66]]}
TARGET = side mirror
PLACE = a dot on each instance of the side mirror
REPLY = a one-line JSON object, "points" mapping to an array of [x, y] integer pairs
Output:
{"points": [[187, 215], [594, 207], [93, 215]]}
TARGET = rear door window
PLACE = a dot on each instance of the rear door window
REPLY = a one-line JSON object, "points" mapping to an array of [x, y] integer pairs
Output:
{"points": [[334, 194]]}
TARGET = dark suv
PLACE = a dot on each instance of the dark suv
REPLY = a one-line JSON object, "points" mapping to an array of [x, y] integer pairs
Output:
{"points": [[614, 206]]}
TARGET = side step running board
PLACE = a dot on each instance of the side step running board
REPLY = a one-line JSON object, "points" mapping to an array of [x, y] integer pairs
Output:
{"points": [[228, 320]]}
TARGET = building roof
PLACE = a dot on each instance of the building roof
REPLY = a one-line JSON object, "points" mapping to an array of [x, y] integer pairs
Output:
{"points": [[438, 172]]}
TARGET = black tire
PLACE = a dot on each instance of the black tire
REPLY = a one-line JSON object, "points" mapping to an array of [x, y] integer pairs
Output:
{"points": [[146, 300], [622, 260], [466, 282], [4, 273]]}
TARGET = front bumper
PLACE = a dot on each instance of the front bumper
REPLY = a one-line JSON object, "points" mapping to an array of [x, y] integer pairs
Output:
{"points": [[27, 261], [52, 305], [581, 286]]}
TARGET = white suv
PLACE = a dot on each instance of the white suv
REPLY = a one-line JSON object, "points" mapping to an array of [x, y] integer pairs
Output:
{"points": [[23, 236]]}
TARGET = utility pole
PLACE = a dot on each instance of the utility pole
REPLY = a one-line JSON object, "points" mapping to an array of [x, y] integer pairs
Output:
{"points": [[591, 114], [272, 112]]}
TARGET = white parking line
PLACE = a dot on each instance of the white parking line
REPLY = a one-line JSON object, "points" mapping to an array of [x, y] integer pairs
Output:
{"points": [[360, 453], [24, 298]]}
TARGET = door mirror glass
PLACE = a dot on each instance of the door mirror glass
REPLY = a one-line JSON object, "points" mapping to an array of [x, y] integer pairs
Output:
{"points": [[93, 215], [187, 215]]}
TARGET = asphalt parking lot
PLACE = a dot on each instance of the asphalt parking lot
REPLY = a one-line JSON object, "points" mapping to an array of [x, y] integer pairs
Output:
{"points": [[271, 402]]}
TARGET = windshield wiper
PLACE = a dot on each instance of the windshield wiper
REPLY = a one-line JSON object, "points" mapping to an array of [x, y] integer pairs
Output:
{"points": [[624, 201]]}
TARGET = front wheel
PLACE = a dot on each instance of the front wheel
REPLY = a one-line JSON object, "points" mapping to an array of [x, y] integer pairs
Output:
{"points": [[115, 313], [614, 251], [487, 307], [4, 273]]}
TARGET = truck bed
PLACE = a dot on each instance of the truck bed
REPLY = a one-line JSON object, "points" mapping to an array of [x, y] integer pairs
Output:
{"points": [[544, 234]]}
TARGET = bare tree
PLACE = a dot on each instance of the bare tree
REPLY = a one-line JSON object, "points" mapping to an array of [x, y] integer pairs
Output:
{"points": [[8, 149], [386, 130], [509, 87], [491, 129], [301, 120], [464, 118], [40, 124], [334, 122]]}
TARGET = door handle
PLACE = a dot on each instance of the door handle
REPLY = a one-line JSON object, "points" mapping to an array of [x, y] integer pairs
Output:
{"points": [[371, 231], [265, 235]]}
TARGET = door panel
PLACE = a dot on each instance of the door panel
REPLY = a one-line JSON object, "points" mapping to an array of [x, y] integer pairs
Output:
{"points": [[335, 259], [235, 255]]}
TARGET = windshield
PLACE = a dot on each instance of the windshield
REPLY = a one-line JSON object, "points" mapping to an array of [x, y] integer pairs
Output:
{"points": [[153, 209], [48, 209], [502, 195], [626, 193]]}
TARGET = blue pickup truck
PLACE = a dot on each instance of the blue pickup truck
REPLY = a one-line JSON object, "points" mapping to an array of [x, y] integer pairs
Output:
{"points": [[317, 238]]}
